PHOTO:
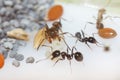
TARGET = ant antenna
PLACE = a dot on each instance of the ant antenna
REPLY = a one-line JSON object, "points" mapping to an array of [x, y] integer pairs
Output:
{"points": [[48, 56], [66, 44]]}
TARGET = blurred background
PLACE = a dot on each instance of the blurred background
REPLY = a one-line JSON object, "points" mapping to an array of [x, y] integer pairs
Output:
{"points": [[111, 5]]}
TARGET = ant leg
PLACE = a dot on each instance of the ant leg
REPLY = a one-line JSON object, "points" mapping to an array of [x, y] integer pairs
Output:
{"points": [[40, 44], [48, 56], [57, 61], [66, 44], [70, 66], [67, 33], [83, 34], [87, 24], [97, 41]]}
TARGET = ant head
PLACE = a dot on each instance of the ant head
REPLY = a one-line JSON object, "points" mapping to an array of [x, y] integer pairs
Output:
{"points": [[102, 10], [78, 35], [78, 56], [55, 54], [92, 40], [57, 24]]}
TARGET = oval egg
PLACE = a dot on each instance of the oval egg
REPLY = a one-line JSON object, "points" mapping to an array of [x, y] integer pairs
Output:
{"points": [[107, 33]]}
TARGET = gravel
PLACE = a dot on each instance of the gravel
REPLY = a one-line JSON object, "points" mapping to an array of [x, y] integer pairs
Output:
{"points": [[19, 57], [30, 60], [20, 14], [16, 63], [12, 54]]}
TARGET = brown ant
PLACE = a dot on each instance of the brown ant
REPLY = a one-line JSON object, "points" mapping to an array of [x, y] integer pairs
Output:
{"points": [[49, 34], [103, 32]]}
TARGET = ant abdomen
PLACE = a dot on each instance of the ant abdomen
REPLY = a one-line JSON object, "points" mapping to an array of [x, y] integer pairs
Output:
{"points": [[92, 40], [78, 56]]}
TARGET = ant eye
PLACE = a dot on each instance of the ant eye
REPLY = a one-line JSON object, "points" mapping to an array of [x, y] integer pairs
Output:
{"points": [[78, 56], [92, 40], [78, 35], [55, 54]]}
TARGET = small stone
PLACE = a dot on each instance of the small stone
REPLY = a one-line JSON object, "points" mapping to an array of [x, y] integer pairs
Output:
{"points": [[8, 3], [19, 57], [3, 10], [30, 60], [6, 24], [3, 40], [8, 45], [14, 23], [5, 54], [12, 54], [16, 63], [25, 21], [11, 40], [18, 7]]}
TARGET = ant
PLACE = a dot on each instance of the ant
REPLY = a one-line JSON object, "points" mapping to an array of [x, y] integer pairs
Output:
{"points": [[85, 39], [64, 55], [106, 33], [82, 38], [49, 34]]}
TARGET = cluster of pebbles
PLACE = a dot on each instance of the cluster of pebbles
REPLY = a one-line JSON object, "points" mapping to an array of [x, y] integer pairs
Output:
{"points": [[23, 14]]}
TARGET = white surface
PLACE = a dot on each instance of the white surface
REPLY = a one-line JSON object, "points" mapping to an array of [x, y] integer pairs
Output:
{"points": [[98, 65]]}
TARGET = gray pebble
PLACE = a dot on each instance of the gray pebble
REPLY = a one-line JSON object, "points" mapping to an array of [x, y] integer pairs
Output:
{"points": [[6, 24], [14, 23], [16, 63], [3, 10], [11, 40], [25, 21], [12, 54], [5, 54], [8, 45], [18, 7], [19, 57], [8, 3], [30, 60]]}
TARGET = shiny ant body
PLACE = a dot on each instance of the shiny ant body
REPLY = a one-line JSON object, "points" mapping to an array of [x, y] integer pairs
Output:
{"points": [[82, 38], [65, 55]]}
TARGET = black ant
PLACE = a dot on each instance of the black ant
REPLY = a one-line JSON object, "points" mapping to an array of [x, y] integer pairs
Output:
{"points": [[82, 38], [64, 55]]}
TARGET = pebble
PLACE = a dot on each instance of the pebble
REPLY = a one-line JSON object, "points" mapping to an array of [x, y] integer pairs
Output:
{"points": [[5, 54], [6, 24], [19, 14], [8, 3], [12, 54], [19, 57], [16, 63], [30, 60], [8, 45]]}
